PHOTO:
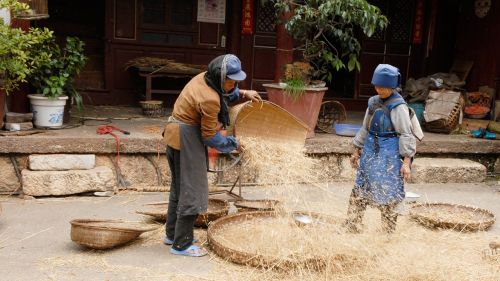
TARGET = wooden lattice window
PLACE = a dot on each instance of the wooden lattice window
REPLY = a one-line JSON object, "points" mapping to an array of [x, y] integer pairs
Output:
{"points": [[266, 17], [401, 22]]}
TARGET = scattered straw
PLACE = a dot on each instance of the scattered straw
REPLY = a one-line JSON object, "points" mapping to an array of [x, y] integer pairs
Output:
{"points": [[413, 252], [25, 238], [276, 163]]}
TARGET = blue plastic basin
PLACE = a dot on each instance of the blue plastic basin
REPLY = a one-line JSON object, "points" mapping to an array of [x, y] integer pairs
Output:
{"points": [[347, 130]]}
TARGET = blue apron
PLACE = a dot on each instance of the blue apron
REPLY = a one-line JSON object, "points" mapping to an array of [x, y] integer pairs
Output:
{"points": [[378, 179]]}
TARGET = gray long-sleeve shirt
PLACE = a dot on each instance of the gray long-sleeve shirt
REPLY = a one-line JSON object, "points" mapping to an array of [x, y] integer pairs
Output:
{"points": [[400, 118]]}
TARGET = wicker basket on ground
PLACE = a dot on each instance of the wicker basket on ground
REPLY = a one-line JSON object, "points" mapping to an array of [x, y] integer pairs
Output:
{"points": [[265, 120], [452, 216], [229, 252], [153, 108], [256, 205], [105, 234], [217, 208]]}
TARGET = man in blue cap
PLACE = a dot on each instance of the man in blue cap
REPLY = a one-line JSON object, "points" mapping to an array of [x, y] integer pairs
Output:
{"points": [[383, 149], [199, 113]]}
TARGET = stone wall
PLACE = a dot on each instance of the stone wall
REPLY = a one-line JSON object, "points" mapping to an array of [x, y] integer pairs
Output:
{"points": [[150, 172]]}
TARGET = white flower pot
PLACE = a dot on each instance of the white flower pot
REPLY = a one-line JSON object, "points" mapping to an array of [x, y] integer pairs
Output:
{"points": [[47, 113]]}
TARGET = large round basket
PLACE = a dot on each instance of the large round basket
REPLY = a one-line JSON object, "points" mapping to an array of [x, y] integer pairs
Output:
{"points": [[452, 216], [157, 211], [105, 234], [266, 120], [216, 208], [256, 205], [220, 246]]}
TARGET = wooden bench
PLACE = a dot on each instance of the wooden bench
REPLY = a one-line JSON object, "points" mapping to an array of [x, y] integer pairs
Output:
{"points": [[149, 74]]}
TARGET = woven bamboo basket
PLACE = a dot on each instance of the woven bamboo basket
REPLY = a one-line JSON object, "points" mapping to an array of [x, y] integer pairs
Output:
{"points": [[153, 108], [256, 205], [105, 234], [329, 113], [157, 211], [452, 216], [449, 124], [265, 120], [216, 208], [220, 246]]}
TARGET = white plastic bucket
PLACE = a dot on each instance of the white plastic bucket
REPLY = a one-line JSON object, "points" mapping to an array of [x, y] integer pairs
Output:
{"points": [[47, 113]]}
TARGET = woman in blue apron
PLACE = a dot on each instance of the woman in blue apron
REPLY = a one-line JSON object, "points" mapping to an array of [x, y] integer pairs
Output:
{"points": [[384, 147]]}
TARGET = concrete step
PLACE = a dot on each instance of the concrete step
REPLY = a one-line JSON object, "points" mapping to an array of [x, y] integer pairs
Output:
{"points": [[447, 170]]}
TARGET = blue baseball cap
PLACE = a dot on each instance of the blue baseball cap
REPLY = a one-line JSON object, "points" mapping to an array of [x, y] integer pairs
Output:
{"points": [[233, 67], [387, 76]]}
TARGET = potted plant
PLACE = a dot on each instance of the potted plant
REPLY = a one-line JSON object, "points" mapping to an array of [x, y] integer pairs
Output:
{"points": [[53, 81], [328, 30], [298, 94], [18, 52]]}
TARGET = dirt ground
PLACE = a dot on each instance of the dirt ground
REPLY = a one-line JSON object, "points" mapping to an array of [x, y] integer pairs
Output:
{"points": [[35, 239]]}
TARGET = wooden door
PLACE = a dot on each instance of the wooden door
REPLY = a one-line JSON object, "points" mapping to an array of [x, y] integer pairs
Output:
{"points": [[166, 29], [392, 46], [263, 45]]}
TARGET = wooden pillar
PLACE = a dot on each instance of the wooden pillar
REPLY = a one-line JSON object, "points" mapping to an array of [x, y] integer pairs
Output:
{"points": [[284, 47]]}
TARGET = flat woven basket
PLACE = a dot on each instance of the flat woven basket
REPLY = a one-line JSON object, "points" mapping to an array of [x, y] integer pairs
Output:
{"points": [[266, 120], [229, 252], [256, 205], [452, 216], [329, 113], [216, 208], [105, 234], [449, 124]]}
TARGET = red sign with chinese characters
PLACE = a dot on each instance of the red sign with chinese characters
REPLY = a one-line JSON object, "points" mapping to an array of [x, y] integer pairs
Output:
{"points": [[418, 24], [247, 18]]}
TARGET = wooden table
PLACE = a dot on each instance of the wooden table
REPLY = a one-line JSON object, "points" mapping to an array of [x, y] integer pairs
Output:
{"points": [[149, 74]]}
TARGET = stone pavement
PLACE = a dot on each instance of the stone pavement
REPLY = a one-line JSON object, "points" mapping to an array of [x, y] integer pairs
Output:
{"points": [[35, 239]]}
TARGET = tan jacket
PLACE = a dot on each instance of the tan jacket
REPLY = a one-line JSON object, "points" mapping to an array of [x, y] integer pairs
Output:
{"points": [[197, 104]]}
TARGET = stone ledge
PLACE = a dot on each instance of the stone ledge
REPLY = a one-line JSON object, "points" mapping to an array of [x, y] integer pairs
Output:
{"points": [[90, 143], [432, 144], [61, 162], [447, 170]]}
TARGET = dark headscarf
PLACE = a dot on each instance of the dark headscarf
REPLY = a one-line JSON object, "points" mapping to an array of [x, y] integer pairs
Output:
{"points": [[215, 77]]}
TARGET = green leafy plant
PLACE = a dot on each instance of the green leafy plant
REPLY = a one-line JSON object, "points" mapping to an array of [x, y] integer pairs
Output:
{"points": [[296, 76], [19, 50], [55, 77], [14, 6], [328, 30]]}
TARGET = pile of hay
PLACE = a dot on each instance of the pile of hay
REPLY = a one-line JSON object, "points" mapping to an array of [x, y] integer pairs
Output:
{"points": [[159, 64]]}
